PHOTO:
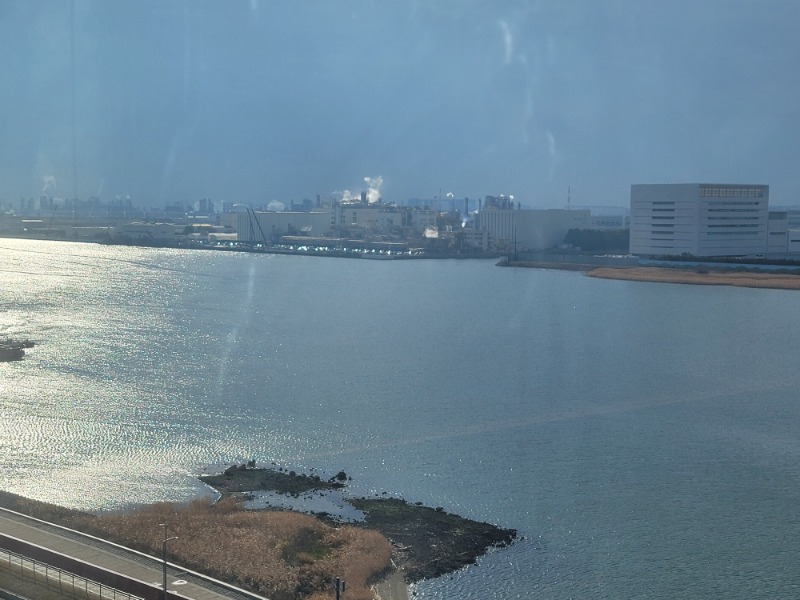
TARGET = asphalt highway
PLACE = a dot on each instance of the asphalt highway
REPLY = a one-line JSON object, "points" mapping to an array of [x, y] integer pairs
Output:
{"points": [[118, 559]]}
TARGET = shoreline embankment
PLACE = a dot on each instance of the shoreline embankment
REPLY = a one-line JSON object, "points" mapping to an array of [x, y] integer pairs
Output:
{"points": [[739, 278], [704, 274]]}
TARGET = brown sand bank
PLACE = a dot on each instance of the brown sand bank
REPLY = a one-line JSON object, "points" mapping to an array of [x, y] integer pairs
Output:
{"points": [[781, 281]]}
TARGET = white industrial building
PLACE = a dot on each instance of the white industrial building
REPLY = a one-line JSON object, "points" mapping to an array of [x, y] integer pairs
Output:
{"points": [[530, 229], [703, 219], [261, 227], [155, 233], [370, 217], [777, 233]]}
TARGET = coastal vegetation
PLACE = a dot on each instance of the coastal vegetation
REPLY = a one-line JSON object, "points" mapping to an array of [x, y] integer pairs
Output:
{"points": [[599, 240], [286, 554], [428, 542], [702, 276], [282, 555]]}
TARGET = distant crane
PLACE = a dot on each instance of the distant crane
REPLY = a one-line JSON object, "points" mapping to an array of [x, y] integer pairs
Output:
{"points": [[252, 223]]}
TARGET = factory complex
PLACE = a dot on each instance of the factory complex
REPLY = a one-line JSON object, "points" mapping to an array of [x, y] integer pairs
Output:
{"points": [[491, 225], [664, 220]]}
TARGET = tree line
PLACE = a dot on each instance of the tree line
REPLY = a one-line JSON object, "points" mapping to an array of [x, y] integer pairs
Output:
{"points": [[599, 240]]}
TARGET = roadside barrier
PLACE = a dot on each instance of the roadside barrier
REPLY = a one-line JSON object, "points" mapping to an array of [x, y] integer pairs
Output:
{"points": [[67, 584], [227, 588]]}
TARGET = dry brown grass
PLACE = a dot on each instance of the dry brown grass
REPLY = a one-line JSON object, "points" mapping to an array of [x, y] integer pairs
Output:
{"points": [[783, 281], [280, 554]]}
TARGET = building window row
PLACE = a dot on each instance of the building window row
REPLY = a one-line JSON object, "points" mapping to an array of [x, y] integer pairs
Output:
{"points": [[724, 203], [733, 218], [716, 191], [731, 233], [729, 210]]}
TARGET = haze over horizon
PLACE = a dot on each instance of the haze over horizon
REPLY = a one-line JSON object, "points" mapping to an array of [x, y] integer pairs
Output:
{"points": [[255, 101]]}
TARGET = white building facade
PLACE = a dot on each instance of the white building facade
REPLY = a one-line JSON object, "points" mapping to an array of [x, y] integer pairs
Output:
{"points": [[262, 227], [530, 229], [157, 233], [777, 233], [699, 219]]}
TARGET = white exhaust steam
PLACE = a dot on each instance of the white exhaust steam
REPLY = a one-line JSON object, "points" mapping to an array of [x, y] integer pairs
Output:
{"points": [[49, 187], [373, 188], [373, 192]]}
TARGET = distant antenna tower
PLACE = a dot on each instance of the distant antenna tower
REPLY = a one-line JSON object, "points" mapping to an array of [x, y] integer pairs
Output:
{"points": [[568, 199]]}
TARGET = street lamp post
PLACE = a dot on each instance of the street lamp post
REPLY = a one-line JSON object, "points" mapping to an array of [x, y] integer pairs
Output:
{"points": [[164, 554], [338, 585]]}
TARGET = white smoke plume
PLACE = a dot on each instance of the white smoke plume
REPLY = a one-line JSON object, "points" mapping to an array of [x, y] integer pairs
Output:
{"points": [[276, 206], [49, 187], [373, 191], [373, 188]]}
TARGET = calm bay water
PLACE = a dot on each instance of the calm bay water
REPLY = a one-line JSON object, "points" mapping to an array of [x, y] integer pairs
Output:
{"points": [[643, 438]]}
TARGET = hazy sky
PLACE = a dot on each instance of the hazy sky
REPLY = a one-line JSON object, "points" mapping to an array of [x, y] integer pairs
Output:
{"points": [[259, 100]]}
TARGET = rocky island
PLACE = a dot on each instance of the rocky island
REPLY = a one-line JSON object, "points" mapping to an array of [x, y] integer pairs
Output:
{"points": [[428, 542]]}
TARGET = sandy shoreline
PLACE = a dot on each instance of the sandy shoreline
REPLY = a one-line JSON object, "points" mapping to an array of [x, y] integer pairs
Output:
{"points": [[781, 281]]}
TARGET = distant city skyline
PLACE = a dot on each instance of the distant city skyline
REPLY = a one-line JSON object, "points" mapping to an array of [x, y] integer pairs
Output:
{"points": [[257, 101]]}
